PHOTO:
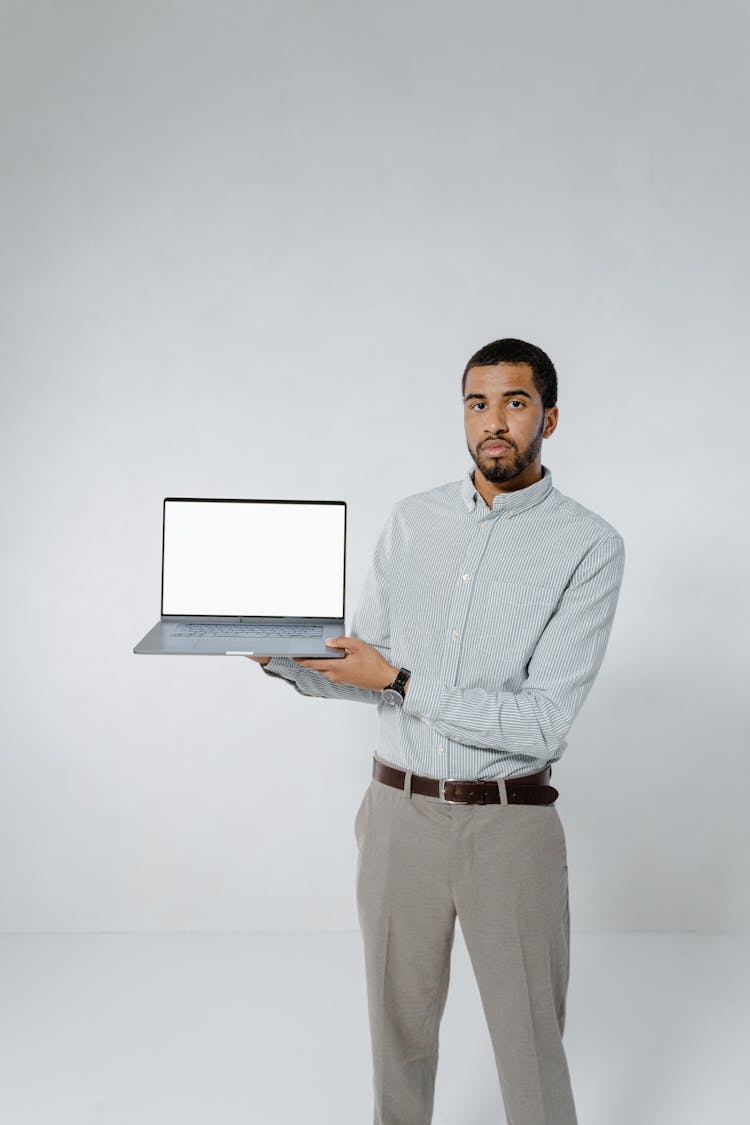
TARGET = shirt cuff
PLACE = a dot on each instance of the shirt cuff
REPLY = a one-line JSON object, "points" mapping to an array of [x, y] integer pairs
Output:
{"points": [[422, 697], [280, 666]]}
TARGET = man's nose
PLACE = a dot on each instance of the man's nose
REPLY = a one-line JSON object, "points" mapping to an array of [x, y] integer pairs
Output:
{"points": [[495, 422]]}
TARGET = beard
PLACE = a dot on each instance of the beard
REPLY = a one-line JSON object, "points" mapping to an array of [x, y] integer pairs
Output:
{"points": [[499, 469]]}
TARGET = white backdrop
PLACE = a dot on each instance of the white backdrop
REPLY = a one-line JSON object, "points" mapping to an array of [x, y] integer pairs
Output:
{"points": [[247, 251]]}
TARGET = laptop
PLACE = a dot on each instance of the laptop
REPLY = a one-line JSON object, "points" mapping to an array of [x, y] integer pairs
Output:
{"points": [[250, 578]]}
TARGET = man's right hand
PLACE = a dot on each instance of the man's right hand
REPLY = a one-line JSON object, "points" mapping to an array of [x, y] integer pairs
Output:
{"points": [[259, 659]]}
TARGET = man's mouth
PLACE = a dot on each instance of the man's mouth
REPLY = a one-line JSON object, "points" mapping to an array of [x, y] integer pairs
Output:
{"points": [[495, 448]]}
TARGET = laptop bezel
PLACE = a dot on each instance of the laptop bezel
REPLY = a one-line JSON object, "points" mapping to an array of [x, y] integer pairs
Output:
{"points": [[211, 618]]}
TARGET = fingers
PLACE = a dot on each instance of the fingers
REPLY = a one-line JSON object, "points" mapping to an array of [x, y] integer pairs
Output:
{"points": [[316, 665], [352, 643]]}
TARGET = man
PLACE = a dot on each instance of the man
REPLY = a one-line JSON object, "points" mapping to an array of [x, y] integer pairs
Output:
{"points": [[483, 623]]}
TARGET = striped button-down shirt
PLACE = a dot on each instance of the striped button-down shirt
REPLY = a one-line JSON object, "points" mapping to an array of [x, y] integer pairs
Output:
{"points": [[501, 614]]}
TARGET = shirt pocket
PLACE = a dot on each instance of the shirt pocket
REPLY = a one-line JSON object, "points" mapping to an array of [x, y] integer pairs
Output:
{"points": [[521, 594], [514, 615], [511, 618]]}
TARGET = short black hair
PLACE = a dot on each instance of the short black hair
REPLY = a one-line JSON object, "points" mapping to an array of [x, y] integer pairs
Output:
{"points": [[518, 351]]}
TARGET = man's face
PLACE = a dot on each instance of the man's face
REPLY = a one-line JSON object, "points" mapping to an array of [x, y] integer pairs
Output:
{"points": [[504, 420]]}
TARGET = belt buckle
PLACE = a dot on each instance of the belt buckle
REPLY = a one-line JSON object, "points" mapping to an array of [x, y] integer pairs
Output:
{"points": [[459, 780], [441, 791]]}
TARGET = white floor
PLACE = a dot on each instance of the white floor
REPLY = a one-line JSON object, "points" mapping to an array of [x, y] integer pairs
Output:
{"points": [[271, 1029]]}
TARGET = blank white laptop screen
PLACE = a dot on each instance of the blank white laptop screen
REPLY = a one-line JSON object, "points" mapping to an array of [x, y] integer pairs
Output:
{"points": [[239, 558]]}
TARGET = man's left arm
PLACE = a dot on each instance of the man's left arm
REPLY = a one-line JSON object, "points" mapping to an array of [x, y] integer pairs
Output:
{"points": [[562, 669]]}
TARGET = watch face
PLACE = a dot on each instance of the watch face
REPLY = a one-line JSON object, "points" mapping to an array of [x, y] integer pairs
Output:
{"points": [[390, 695]]}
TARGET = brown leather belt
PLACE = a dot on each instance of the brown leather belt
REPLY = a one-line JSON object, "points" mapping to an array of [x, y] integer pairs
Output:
{"points": [[529, 789]]}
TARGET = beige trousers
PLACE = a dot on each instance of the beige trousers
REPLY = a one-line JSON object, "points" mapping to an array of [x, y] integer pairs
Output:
{"points": [[503, 870]]}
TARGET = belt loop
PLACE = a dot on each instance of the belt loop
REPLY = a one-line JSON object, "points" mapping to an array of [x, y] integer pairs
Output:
{"points": [[502, 790], [407, 784]]}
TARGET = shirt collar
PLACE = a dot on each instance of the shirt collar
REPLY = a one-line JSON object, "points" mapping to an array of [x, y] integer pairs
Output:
{"points": [[514, 502]]}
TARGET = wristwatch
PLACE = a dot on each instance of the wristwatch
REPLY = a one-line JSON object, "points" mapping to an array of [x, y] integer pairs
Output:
{"points": [[394, 693]]}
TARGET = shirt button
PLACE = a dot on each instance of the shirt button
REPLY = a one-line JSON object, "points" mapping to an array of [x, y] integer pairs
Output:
{"points": [[509, 514], [465, 577], [440, 750], [454, 634]]}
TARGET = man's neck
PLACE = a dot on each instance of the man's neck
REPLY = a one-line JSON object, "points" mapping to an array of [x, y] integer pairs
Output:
{"points": [[488, 490]]}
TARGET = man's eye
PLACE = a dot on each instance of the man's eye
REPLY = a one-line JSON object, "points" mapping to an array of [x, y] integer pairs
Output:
{"points": [[517, 400]]}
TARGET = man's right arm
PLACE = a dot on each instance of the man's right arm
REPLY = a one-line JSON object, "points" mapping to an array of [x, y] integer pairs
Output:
{"points": [[371, 623]]}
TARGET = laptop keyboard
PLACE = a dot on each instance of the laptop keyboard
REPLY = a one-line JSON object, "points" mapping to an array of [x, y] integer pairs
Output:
{"points": [[195, 629]]}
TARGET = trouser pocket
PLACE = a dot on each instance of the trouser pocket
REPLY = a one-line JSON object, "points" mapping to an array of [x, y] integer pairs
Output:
{"points": [[359, 815]]}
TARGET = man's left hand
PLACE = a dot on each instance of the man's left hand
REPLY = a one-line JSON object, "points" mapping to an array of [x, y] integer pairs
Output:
{"points": [[363, 666]]}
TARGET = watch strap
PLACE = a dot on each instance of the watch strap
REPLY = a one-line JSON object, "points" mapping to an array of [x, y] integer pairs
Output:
{"points": [[399, 684]]}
